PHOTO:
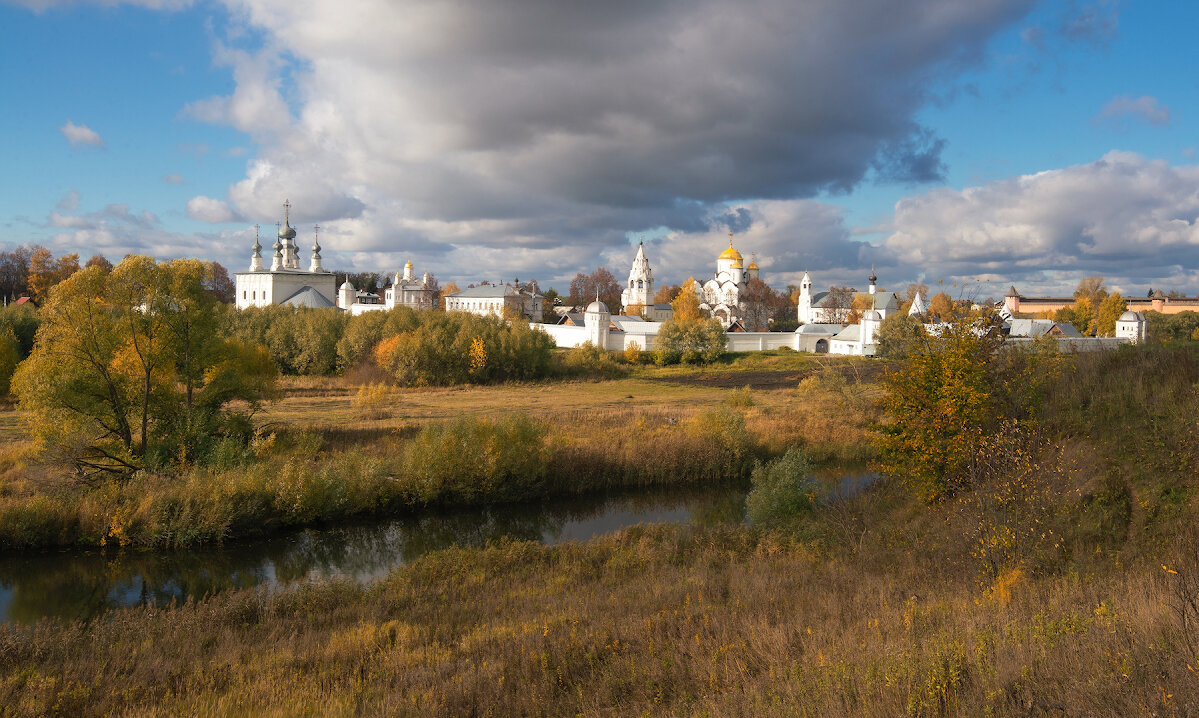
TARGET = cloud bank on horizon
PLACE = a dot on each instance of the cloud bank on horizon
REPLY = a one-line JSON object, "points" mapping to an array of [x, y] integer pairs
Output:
{"points": [[487, 139]]}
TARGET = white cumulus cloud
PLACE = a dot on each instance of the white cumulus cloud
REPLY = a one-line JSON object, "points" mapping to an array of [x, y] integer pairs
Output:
{"points": [[207, 209], [1124, 216], [81, 135]]}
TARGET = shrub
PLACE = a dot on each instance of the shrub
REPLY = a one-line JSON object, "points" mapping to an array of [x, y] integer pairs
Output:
{"points": [[692, 342], [475, 460], [783, 488], [587, 358], [446, 348], [372, 400]]}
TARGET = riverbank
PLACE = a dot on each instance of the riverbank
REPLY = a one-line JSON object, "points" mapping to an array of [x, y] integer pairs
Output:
{"points": [[1063, 584], [331, 450], [660, 620]]}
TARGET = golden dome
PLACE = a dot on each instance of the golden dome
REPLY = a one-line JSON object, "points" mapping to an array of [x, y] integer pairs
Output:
{"points": [[753, 265], [730, 253], [737, 265]]}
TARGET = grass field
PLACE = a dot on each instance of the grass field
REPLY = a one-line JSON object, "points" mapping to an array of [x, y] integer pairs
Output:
{"points": [[1068, 586], [332, 448]]}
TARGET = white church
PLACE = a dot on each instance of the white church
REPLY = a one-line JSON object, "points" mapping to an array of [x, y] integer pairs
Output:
{"points": [[285, 282], [720, 296]]}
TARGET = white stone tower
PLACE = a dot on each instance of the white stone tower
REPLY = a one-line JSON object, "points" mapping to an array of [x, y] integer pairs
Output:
{"points": [[917, 307], [315, 264], [804, 310], [345, 294], [1131, 326], [597, 319], [640, 289], [256, 257], [873, 281], [869, 327]]}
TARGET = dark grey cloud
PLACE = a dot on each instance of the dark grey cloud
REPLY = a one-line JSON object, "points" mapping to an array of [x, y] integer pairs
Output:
{"points": [[542, 124]]}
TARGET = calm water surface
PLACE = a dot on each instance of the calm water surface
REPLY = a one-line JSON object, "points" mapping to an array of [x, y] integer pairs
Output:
{"points": [[83, 584]]}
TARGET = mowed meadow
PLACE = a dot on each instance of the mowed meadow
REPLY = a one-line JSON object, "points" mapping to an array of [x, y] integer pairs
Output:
{"points": [[1062, 581]]}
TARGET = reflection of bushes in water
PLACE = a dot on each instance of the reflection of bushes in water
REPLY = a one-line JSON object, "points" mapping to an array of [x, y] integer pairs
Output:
{"points": [[85, 585], [297, 480]]}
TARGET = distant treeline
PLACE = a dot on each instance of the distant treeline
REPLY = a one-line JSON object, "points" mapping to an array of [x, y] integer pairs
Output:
{"points": [[415, 348]]}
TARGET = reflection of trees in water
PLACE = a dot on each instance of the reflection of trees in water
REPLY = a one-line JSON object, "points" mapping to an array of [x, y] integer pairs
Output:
{"points": [[81, 585]]}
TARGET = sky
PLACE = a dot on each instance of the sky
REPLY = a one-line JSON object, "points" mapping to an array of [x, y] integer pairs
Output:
{"points": [[976, 144]]}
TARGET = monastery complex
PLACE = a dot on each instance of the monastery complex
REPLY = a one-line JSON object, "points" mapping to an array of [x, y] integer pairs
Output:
{"points": [[820, 314]]}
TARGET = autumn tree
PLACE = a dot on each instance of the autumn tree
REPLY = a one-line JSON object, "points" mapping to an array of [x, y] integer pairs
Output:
{"points": [[98, 260], [757, 303], [861, 304], [1092, 290], [689, 335], [584, 287], [942, 307], [1108, 313], [128, 363], [685, 305], [218, 284], [838, 304], [45, 271], [666, 294], [910, 292], [14, 272], [950, 393]]}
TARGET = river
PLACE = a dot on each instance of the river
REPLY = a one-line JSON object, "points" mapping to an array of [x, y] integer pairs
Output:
{"points": [[78, 583]]}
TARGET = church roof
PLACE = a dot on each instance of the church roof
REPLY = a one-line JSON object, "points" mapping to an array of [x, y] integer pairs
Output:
{"points": [[731, 253], [1034, 328], [306, 296], [851, 333], [821, 329], [484, 291]]}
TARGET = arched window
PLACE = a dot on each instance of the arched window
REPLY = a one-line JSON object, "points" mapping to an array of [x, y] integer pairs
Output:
{"points": [[640, 284], [630, 284], [255, 295]]}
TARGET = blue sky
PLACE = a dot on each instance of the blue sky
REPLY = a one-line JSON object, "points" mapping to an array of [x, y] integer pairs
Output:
{"points": [[487, 140]]}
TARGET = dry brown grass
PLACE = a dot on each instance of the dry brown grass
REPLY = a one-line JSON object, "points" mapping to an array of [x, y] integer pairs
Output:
{"points": [[658, 620]]}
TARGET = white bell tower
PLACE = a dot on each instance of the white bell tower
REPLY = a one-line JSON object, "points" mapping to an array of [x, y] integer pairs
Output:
{"points": [[640, 287]]}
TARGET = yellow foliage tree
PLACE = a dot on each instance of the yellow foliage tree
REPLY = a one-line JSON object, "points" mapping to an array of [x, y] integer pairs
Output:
{"points": [[478, 355], [45, 271], [686, 303]]}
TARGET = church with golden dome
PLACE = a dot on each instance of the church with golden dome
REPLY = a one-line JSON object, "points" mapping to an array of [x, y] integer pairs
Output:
{"points": [[720, 296]]}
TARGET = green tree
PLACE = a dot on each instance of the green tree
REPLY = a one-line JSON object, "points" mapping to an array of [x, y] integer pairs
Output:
{"points": [[692, 342], [130, 359], [900, 335], [10, 356], [953, 392], [939, 405]]}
